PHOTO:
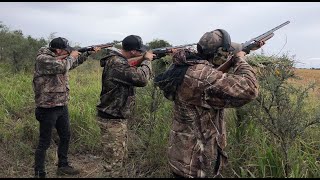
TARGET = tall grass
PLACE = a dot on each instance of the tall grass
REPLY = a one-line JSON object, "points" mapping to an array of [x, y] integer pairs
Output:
{"points": [[85, 83], [252, 151]]}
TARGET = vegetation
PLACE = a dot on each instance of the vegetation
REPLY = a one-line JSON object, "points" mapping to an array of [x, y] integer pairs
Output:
{"points": [[276, 135]]}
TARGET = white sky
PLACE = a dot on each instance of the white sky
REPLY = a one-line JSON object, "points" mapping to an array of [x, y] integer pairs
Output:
{"points": [[88, 23]]}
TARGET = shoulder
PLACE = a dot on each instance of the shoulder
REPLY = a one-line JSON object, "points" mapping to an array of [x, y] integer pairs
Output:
{"points": [[116, 59], [113, 59], [116, 56], [45, 51], [202, 71]]}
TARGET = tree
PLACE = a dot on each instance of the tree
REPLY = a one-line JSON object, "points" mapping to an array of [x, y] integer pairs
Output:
{"points": [[3, 41], [51, 36], [17, 50], [158, 43]]}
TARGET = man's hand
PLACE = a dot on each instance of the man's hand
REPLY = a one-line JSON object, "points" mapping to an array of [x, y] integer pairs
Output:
{"points": [[257, 45], [75, 54], [241, 54], [254, 46], [149, 56], [96, 49], [173, 51]]}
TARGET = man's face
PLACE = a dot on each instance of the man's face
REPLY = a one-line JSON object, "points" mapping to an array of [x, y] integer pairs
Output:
{"points": [[135, 53], [61, 52], [220, 57]]}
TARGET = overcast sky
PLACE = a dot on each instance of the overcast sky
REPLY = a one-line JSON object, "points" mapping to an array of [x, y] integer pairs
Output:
{"points": [[88, 23]]}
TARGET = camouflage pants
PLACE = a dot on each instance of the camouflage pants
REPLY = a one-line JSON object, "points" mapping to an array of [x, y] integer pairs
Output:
{"points": [[114, 144]]}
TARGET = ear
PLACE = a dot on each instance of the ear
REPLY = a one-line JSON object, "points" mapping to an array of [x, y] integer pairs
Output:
{"points": [[133, 53], [58, 51], [61, 51]]}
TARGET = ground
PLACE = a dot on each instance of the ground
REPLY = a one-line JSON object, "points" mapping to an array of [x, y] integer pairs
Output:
{"points": [[91, 166]]}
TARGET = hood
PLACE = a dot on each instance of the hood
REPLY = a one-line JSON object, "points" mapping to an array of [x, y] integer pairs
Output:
{"points": [[45, 50], [170, 80], [103, 61]]}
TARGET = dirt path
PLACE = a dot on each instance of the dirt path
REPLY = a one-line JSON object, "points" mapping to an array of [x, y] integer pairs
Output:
{"points": [[91, 166]]}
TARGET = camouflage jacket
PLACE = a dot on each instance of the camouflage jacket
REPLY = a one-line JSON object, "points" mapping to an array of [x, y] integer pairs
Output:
{"points": [[198, 134], [118, 82], [50, 78]]}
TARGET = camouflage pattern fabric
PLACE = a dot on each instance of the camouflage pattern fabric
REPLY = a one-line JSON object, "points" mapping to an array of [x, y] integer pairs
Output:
{"points": [[198, 133], [116, 100], [114, 143], [50, 79], [118, 82]]}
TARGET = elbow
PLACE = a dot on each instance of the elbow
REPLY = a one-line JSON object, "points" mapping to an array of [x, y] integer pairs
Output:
{"points": [[253, 94], [256, 93], [142, 83], [252, 90], [249, 96]]}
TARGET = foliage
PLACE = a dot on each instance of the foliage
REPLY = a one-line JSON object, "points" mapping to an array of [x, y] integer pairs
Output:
{"points": [[276, 135], [158, 43], [281, 109], [17, 50]]}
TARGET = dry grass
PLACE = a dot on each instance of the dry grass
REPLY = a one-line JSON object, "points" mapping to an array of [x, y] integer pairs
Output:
{"points": [[308, 76]]}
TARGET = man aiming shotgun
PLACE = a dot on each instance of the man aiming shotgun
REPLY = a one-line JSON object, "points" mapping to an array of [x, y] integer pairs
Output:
{"points": [[201, 89]]}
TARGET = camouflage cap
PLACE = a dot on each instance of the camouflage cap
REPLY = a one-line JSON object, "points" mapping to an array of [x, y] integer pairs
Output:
{"points": [[212, 40]]}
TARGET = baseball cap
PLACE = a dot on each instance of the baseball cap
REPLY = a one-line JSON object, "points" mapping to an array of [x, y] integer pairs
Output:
{"points": [[133, 42], [60, 43]]}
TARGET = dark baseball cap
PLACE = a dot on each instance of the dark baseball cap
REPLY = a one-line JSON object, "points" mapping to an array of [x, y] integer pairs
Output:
{"points": [[133, 42], [60, 43]]}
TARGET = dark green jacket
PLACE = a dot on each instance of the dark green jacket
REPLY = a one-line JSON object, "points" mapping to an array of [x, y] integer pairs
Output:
{"points": [[118, 82]]}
